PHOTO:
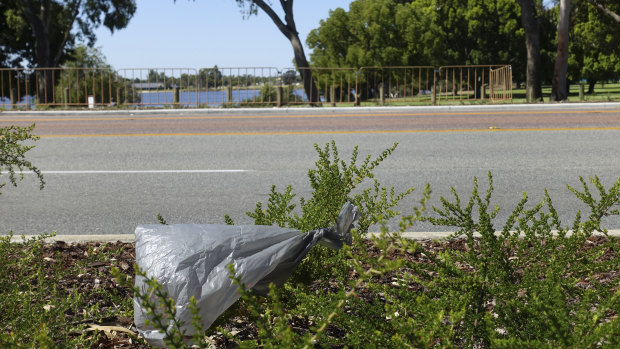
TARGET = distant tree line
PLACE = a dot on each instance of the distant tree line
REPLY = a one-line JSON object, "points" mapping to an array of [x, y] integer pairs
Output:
{"points": [[454, 32], [558, 41]]}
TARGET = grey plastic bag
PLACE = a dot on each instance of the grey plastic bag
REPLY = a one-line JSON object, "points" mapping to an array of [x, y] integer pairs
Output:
{"points": [[192, 260]]}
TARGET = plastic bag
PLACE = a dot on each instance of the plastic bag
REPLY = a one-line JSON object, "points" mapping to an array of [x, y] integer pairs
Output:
{"points": [[192, 260]]}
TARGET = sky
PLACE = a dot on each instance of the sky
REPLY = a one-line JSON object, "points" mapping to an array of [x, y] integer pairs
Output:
{"points": [[203, 33]]}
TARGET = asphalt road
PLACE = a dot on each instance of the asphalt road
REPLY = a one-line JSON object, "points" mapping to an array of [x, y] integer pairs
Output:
{"points": [[107, 173]]}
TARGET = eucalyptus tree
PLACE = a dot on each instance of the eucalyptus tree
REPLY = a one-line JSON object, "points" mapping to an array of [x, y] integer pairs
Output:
{"points": [[288, 28], [559, 84], [55, 26], [14, 35], [531, 26], [371, 33], [610, 8], [595, 43], [420, 32]]}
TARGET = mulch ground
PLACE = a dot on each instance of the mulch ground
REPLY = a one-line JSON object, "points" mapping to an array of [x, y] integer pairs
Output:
{"points": [[117, 332]]}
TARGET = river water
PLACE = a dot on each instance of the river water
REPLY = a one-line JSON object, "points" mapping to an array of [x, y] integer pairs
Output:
{"points": [[160, 99]]}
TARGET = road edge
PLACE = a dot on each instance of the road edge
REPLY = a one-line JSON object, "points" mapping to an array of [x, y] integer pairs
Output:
{"points": [[103, 238], [287, 110]]}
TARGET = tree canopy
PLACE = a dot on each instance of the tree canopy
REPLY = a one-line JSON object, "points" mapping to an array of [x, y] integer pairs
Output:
{"points": [[521, 33], [44, 32], [595, 43], [422, 32]]}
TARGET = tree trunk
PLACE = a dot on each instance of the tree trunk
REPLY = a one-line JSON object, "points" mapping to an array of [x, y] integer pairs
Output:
{"points": [[529, 21], [43, 51], [591, 84], [290, 31], [304, 70], [559, 89], [45, 56]]}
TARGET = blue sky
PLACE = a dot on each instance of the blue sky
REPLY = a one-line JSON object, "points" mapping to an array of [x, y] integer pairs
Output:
{"points": [[203, 33]]}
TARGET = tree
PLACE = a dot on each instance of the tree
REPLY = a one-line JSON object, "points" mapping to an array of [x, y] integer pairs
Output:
{"points": [[530, 22], [422, 32], [289, 77], [210, 77], [559, 84], [14, 34], [378, 33], [595, 44], [606, 9], [288, 28], [56, 25], [87, 73]]}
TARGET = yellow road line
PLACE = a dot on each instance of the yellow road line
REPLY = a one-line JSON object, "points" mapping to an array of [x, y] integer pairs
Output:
{"points": [[294, 116], [332, 132]]}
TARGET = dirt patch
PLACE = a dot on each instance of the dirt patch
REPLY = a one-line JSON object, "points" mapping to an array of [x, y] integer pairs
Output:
{"points": [[116, 331]]}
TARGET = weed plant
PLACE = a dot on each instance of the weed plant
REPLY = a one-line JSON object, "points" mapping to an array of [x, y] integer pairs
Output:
{"points": [[12, 153], [532, 283], [42, 305], [333, 182]]}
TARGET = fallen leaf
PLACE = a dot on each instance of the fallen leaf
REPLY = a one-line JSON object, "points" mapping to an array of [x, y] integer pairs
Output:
{"points": [[95, 327]]}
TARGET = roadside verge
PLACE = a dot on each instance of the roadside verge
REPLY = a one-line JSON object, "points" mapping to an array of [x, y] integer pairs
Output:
{"points": [[130, 237]]}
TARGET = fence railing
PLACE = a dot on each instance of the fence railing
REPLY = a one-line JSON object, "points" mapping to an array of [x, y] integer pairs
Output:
{"points": [[252, 86], [397, 84], [474, 82]]}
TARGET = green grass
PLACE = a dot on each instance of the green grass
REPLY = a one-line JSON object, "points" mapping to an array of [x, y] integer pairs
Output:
{"points": [[602, 93]]}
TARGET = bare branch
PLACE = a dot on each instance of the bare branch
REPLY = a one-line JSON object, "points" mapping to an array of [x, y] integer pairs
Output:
{"points": [[605, 10], [274, 17], [74, 14]]}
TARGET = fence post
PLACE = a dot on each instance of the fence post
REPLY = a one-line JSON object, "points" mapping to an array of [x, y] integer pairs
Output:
{"points": [[118, 96], [229, 94], [332, 95], [65, 96], [482, 91], [13, 96], [382, 97], [279, 96], [581, 92], [434, 88], [357, 91], [175, 95]]}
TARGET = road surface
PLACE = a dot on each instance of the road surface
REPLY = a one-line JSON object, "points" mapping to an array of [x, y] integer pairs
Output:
{"points": [[106, 173]]}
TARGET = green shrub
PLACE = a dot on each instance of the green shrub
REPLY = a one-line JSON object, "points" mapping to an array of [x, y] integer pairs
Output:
{"points": [[12, 153], [268, 97], [534, 283], [40, 307], [522, 286], [333, 182]]}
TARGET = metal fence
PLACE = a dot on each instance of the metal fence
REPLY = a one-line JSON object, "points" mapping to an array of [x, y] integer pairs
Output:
{"points": [[326, 85], [500, 83], [397, 84], [474, 83], [252, 86]]}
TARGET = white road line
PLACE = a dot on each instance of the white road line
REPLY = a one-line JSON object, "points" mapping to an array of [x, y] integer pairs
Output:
{"points": [[139, 171]]}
